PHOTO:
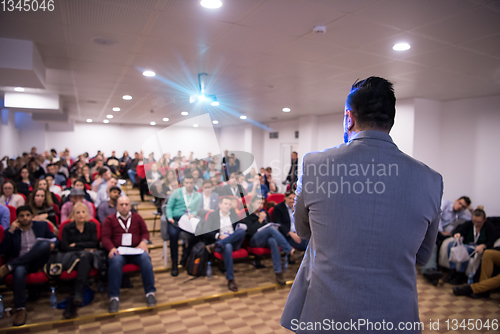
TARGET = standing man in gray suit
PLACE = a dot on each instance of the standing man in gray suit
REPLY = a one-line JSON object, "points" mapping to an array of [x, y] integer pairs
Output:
{"points": [[371, 213]]}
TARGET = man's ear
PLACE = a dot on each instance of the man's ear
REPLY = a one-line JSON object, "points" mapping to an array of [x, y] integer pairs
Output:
{"points": [[350, 119]]}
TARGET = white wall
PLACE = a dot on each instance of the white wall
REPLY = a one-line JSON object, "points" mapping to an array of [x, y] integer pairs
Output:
{"points": [[32, 133], [470, 158], [9, 135]]}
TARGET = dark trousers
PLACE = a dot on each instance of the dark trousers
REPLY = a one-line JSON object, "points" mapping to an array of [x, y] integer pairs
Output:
{"points": [[301, 247], [83, 271], [173, 236], [30, 262]]}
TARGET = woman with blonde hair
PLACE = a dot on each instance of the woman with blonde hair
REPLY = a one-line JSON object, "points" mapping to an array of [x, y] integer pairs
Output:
{"points": [[78, 242]]}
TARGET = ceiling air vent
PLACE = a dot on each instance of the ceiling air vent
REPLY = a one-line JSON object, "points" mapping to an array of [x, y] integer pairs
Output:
{"points": [[273, 135]]}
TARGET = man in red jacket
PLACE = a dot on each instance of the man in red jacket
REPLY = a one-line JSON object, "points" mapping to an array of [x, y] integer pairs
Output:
{"points": [[127, 229]]}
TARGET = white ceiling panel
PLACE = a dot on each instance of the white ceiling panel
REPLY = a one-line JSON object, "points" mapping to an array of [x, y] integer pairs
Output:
{"points": [[419, 44], [297, 18], [352, 32], [441, 57], [307, 50], [344, 6], [410, 14], [489, 45], [476, 23], [245, 39], [231, 11], [177, 28], [107, 16], [355, 60]]}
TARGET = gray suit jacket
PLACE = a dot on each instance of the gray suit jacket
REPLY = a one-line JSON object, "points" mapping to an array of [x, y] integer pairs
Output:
{"points": [[369, 222]]}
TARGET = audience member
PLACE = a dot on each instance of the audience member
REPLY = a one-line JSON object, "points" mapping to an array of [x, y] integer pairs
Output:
{"points": [[132, 171], [127, 229], [103, 193], [487, 282], [211, 171], [108, 207], [258, 184], [101, 180], [10, 195], [26, 182], [154, 178], [260, 235], [209, 199], [224, 235], [52, 187], [34, 169], [4, 217], [452, 215], [41, 209], [283, 215], [59, 178], [51, 197], [24, 254], [233, 188], [76, 195], [86, 177], [182, 201], [479, 235], [79, 184], [78, 242]]}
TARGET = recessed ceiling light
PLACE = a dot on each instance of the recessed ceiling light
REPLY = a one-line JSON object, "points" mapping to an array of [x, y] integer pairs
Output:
{"points": [[106, 121], [19, 89], [215, 122], [195, 125], [214, 104], [116, 109], [401, 47], [153, 123], [89, 120], [165, 119], [286, 109], [148, 73], [243, 117], [109, 116], [127, 97], [184, 113], [211, 3]]}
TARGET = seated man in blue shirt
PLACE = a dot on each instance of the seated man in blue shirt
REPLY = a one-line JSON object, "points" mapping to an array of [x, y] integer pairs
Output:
{"points": [[224, 235]]}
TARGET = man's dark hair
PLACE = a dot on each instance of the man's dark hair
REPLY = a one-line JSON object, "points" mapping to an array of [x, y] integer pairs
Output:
{"points": [[289, 192], [102, 171], [23, 208], [225, 197], [208, 181], [115, 189], [479, 213], [466, 199], [188, 177], [48, 175], [79, 180], [211, 162], [373, 103]]}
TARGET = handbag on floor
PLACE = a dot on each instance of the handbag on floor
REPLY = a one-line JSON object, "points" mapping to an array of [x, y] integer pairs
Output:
{"points": [[458, 253]]}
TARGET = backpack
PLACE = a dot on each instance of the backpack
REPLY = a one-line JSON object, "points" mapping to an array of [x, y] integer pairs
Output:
{"points": [[196, 264]]}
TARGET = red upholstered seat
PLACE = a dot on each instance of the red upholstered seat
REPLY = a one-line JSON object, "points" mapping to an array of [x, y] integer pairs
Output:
{"points": [[66, 276], [271, 213], [239, 254], [258, 250], [275, 198], [13, 215], [130, 268], [34, 278]]}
